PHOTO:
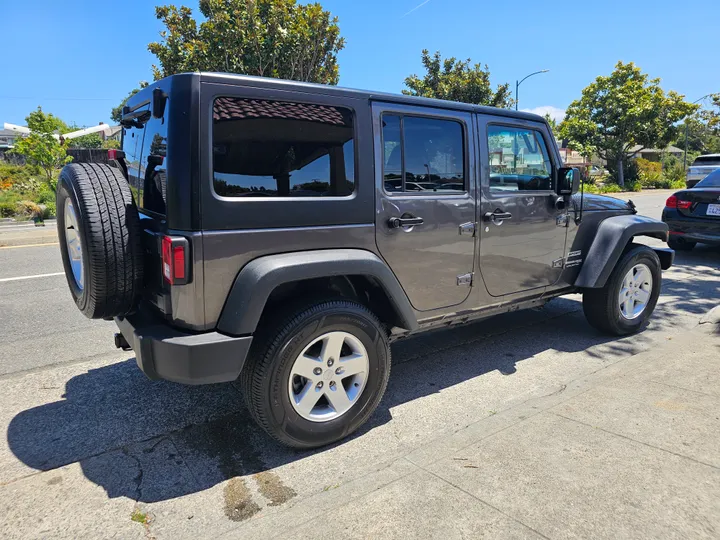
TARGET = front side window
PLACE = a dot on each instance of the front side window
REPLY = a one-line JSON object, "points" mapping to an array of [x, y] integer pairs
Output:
{"points": [[265, 148], [423, 155], [519, 160]]}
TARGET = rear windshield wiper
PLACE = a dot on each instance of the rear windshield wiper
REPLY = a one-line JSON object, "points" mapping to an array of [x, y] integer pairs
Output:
{"points": [[136, 118]]}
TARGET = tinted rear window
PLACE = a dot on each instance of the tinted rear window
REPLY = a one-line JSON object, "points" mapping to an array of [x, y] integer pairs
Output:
{"points": [[145, 147], [265, 148], [707, 160]]}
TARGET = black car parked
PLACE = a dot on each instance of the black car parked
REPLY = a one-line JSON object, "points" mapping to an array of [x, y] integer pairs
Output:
{"points": [[693, 215]]}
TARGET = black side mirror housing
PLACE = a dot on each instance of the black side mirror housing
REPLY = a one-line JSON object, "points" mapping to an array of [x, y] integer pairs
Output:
{"points": [[568, 181], [159, 99]]}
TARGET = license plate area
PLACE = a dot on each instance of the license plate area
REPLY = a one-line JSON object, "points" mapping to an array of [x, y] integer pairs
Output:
{"points": [[713, 210]]}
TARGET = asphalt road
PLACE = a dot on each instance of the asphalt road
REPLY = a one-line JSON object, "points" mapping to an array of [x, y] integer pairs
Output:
{"points": [[41, 326]]}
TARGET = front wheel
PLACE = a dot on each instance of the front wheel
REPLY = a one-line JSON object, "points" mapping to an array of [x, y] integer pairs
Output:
{"points": [[318, 376], [629, 297]]}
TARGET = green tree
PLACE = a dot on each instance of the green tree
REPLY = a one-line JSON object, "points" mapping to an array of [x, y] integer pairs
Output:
{"points": [[455, 80], [40, 148], [553, 125], [620, 111], [269, 38], [116, 112], [92, 140]]}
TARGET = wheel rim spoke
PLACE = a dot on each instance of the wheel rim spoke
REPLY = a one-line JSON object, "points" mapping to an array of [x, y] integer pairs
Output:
{"points": [[332, 345], [315, 385], [353, 364], [338, 398], [642, 296], [636, 291], [307, 398], [305, 365]]}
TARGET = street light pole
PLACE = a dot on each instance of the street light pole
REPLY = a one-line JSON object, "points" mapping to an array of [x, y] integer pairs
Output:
{"points": [[687, 129], [518, 83]]}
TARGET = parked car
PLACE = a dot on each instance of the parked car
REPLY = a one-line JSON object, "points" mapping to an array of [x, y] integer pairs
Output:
{"points": [[597, 172], [693, 215], [190, 239], [701, 167]]}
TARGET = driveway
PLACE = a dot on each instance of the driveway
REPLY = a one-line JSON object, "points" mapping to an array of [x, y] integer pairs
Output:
{"points": [[530, 424]]}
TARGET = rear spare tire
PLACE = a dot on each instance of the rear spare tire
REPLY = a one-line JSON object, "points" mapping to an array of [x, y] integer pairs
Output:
{"points": [[100, 239]]}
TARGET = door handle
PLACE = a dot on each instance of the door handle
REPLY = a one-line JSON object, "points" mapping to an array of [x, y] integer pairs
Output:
{"points": [[397, 222], [496, 216]]}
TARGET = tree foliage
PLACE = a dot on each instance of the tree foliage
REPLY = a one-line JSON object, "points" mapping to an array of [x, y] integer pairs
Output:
{"points": [[457, 80], [553, 125], [702, 130], [620, 111], [269, 38], [116, 112], [40, 148], [92, 140]]}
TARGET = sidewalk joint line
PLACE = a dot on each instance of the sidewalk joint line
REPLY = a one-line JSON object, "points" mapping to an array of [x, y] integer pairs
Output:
{"points": [[638, 442], [516, 520]]}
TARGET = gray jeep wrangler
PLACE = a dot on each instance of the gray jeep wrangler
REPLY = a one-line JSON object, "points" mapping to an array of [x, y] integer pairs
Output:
{"points": [[285, 234]]}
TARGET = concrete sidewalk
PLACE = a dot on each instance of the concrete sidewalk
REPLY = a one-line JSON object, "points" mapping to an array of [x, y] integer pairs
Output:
{"points": [[631, 449]]}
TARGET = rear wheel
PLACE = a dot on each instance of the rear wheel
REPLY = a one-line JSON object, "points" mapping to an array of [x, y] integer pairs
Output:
{"points": [[99, 233], [318, 375], [680, 244], [629, 297]]}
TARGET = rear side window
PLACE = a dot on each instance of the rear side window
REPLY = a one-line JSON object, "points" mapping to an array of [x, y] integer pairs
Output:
{"points": [[145, 147], [519, 160], [707, 160], [265, 148], [423, 155]]}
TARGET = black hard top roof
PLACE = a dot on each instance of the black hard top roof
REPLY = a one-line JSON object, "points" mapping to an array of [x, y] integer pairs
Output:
{"points": [[265, 82]]}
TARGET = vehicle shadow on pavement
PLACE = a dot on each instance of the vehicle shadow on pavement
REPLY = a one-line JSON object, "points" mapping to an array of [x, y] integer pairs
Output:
{"points": [[153, 441]]}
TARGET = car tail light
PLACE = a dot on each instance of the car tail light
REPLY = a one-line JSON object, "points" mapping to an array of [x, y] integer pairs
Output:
{"points": [[674, 202], [175, 260]]}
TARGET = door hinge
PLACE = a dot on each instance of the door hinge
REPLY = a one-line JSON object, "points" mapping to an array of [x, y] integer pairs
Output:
{"points": [[467, 228], [465, 279]]}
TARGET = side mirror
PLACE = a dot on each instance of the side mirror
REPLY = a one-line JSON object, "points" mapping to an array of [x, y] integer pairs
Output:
{"points": [[568, 181], [159, 99]]}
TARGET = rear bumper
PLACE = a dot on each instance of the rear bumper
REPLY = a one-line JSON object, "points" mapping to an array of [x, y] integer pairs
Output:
{"points": [[163, 352], [692, 229]]}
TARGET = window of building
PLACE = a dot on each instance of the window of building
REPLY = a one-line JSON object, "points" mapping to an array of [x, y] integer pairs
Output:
{"points": [[423, 155], [281, 149], [519, 160]]}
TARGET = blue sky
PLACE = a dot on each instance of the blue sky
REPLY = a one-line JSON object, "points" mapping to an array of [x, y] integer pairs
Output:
{"points": [[79, 58]]}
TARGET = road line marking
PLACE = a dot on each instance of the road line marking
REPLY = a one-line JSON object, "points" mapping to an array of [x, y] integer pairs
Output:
{"points": [[30, 277], [30, 245]]}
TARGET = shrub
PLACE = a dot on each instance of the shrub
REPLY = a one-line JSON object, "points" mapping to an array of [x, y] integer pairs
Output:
{"points": [[49, 210], [45, 195], [630, 168], [28, 209], [650, 173], [7, 209], [633, 186]]}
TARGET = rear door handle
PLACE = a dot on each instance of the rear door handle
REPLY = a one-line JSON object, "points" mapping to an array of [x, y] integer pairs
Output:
{"points": [[397, 222], [496, 216]]}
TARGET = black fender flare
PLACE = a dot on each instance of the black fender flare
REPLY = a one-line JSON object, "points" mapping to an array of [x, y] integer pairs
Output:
{"points": [[611, 239], [259, 278]]}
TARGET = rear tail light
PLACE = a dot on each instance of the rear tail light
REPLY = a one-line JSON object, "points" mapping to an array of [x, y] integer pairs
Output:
{"points": [[175, 260], [114, 154], [674, 202]]}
